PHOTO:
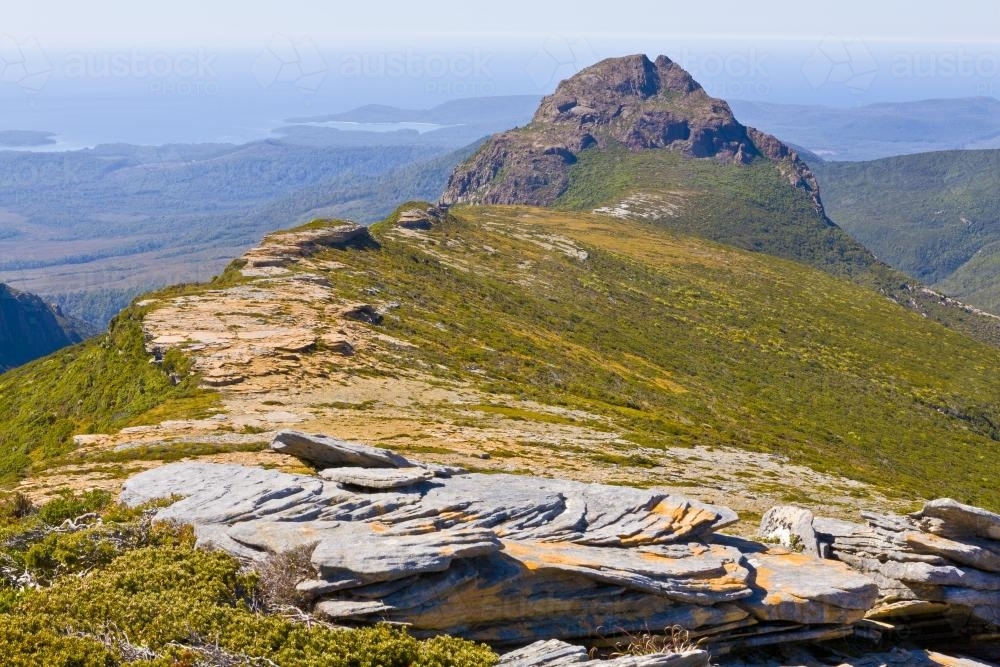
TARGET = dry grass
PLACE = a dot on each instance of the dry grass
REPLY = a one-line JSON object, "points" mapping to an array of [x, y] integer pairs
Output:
{"points": [[674, 639], [280, 574]]}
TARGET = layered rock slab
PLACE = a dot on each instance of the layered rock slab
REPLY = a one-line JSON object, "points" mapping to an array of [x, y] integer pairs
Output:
{"points": [[943, 561], [501, 558]]}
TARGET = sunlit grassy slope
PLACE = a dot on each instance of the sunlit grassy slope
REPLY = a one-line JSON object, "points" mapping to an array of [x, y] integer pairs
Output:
{"points": [[750, 207], [679, 340], [668, 339]]}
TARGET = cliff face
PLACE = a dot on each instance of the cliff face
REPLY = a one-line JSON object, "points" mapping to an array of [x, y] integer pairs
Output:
{"points": [[630, 101], [31, 328]]}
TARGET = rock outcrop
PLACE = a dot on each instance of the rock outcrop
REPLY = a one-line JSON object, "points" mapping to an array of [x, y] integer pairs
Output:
{"points": [[942, 562], [421, 218], [31, 328], [287, 247], [505, 558], [632, 102]]}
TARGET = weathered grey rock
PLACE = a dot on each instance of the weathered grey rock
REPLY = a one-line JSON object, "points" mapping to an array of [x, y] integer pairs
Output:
{"points": [[287, 247], [500, 558], [420, 218], [327, 452], [377, 478], [545, 653], [953, 519], [314, 588], [555, 653], [943, 554], [346, 610], [278, 537], [697, 574], [804, 589], [560, 510], [371, 554], [980, 554], [791, 526], [222, 493]]}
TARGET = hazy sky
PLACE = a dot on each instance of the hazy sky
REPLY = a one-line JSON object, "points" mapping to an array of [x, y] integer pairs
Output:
{"points": [[207, 70], [215, 23]]}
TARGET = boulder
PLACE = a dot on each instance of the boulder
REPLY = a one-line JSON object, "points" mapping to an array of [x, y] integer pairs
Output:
{"points": [[362, 312], [802, 589], [326, 452], [284, 248], [790, 526], [421, 219], [377, 478], [951, 518]]}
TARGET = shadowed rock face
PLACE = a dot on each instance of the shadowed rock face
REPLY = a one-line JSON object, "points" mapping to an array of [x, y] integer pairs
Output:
{"points": [[505, 558], [31, 328], [630, 101]]}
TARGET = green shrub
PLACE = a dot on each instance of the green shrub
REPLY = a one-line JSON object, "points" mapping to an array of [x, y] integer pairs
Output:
{"points": [[101, 385], [69, 505], [23, 646], [121, 590]]}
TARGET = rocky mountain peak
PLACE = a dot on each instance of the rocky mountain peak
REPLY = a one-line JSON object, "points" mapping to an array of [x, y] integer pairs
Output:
{"points": [[617, 82], [631, 101]]}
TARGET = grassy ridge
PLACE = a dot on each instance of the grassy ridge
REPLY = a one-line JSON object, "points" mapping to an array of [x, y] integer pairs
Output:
{"points": [[667, 339], [679, 341], [750, 207]]}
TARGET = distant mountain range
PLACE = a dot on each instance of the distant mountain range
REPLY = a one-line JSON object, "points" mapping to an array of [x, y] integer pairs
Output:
{"points": [[879, 130], [92, 228], [179, 212], [31, 328], [935, 216], [507, 110]]}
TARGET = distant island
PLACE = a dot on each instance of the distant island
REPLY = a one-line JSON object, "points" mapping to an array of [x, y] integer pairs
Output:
{"points": [[26, 138]]}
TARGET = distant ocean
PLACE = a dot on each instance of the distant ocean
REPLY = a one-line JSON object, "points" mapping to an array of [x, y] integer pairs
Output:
{"points": [[144, 96]]}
